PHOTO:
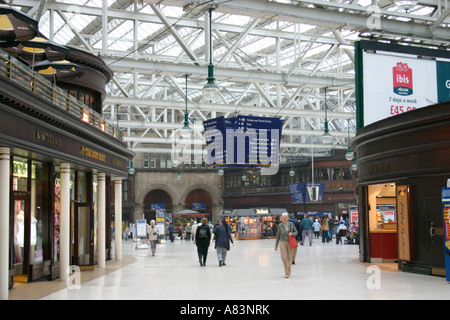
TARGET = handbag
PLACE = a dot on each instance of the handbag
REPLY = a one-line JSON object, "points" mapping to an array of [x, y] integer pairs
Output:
{"points": [[292, 241]]}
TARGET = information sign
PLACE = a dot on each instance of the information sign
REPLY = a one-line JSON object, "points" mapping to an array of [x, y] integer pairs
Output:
{"points": [[244, 141], [306, 192]]}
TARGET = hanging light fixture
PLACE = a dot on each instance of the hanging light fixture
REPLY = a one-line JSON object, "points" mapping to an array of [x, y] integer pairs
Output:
{"points": [[221, 172], [292, 171], [186, 115], [210, 90], [354, 166], [326, 137], [349, 155]]}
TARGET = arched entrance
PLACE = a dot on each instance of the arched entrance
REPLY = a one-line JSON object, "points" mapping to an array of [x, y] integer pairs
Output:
{"points": [[156, 199], [200, 200]]}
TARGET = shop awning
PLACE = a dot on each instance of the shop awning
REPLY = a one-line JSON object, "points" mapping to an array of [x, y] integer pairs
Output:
{"points": [[252, 212], [187, 213]]}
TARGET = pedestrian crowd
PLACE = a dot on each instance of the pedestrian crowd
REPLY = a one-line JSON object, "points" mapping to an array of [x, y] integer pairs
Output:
{"points": [[290, 233]]}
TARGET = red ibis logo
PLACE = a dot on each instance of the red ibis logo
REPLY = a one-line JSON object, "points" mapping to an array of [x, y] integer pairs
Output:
{"points": [[403, 81]]}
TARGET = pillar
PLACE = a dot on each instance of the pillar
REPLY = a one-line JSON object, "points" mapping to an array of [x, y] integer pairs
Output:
{"points": [[101, 216], [4, 222], [118, 217], [64, 252]]}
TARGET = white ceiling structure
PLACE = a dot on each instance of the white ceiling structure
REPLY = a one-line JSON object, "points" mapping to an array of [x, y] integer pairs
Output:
{"points": [[280, 58]]}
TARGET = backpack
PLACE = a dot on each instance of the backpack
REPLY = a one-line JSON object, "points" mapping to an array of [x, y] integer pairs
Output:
{"points": [[202, 233]]}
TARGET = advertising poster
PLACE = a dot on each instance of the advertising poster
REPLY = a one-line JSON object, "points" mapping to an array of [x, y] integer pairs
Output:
{"points": [[446, 226], [394, 84]]}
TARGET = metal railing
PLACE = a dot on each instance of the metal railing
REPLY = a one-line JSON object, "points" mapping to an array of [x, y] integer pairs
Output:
{"points": [[17, 72]]}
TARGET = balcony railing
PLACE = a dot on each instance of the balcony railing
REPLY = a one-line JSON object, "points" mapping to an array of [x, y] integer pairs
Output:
{"points": [[17, 72]]}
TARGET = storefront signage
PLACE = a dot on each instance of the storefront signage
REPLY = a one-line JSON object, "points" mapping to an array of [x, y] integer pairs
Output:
{"points": [[48, 138], [92, 154], [118, 163], [262, 211], [404, 231], [379, 168]]}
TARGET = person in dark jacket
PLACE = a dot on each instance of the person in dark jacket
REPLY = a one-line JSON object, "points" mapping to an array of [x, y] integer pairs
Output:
{"points": [[298, 237], [306, 227], [223, 239], [202, 240], [171, 230]]}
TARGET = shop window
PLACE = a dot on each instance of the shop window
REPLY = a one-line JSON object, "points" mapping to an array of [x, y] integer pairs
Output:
{"points": [[382, 201], [82, 187], [39, 220], [20, 174], [125, 190]]}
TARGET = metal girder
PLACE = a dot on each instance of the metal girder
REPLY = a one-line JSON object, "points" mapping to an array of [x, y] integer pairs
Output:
{"points": [[323, 17], [224, 108], [228, 74]]}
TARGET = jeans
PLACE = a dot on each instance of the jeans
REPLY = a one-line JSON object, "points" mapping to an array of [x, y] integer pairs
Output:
{"points": [[153, 246], [221, 254], [325, 236], [305, 233]]}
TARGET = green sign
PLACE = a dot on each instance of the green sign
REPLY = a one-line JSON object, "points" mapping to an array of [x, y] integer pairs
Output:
{"points": [[443, 80]]}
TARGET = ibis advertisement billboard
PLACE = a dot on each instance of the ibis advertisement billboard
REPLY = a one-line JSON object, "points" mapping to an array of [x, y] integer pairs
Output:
{"points": [[393, 79]]}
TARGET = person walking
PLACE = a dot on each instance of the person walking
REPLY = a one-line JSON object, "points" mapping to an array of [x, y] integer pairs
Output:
{"points": [[331, 225], [188, 232], [306, 227], [316, 228], [223, 239], [285, 229], [194, 229], [297, 238], [166, 230], [325, 229], [202, 239], [171, 230], [152, 232]]}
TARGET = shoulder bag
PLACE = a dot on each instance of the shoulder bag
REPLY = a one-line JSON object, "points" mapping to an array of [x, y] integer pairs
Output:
{"points": [[292, 241]]}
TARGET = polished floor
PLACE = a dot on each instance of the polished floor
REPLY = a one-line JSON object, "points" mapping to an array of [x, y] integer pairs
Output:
{"points": [[254, 271]]}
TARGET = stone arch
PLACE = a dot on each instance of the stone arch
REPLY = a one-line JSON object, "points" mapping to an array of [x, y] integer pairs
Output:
{"points": [[214, 193], [170, 191]]}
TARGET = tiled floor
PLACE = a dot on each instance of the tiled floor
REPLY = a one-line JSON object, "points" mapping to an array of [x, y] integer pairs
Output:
{"points": [[253, 271]]}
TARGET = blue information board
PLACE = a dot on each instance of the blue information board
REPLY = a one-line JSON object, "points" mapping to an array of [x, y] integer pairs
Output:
{"points": [[302, 192], [157, 206], [243, 141], [446, 226], [198, 205]]}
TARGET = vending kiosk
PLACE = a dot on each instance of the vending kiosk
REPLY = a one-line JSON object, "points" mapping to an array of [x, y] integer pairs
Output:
{"points": [[446, 225]]}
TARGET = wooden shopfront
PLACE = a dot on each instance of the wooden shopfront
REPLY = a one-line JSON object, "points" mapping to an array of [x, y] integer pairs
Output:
{"points": [[256, 223], [402, 166], [40, 136]]}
